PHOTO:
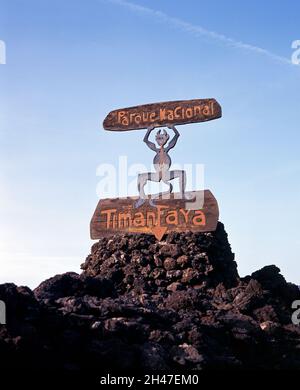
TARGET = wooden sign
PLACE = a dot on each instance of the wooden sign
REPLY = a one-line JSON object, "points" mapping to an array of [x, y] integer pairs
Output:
{"points": [[178, 112], [119, 215]]}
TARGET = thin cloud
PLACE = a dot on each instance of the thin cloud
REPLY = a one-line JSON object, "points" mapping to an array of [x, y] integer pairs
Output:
{"points": [[197, 30]]}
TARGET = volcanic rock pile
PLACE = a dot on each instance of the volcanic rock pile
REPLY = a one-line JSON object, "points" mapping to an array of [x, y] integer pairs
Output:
{"points": [[147, 305]]}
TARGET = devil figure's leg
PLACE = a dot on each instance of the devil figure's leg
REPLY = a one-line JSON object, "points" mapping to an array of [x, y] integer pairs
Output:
{"points": [[142, 181], [182, 180]]}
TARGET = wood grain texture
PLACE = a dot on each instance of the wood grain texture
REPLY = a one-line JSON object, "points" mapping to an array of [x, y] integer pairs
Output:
{"points": [[119, 215], [178, 112]]}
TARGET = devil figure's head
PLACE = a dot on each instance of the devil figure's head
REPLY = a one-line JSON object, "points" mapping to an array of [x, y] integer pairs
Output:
{"points": [[162, 137]]}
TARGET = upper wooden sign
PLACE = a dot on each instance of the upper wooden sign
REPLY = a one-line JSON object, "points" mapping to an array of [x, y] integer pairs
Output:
{"points": [[178, 112], [114, 216]]}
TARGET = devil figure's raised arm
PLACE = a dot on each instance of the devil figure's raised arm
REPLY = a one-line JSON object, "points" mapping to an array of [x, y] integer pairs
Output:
{"points": [[150, 144], [173, 141]]}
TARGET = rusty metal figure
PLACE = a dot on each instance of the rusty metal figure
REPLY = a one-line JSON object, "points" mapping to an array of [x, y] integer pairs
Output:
{"points": [[162, 163]]}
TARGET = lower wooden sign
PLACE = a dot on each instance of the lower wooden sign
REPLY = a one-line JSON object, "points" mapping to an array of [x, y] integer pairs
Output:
{"points": [[113, 216]]}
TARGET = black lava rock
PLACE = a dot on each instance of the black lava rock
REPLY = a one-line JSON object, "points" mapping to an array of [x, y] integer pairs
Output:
{"points": [[146, 305]]}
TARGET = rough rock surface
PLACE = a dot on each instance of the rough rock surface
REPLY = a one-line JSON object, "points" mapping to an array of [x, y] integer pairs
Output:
{"points": [[148, 305]]}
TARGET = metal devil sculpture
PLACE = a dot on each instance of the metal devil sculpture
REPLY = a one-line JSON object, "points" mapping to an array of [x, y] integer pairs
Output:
{"points": [[166, 211], [162, 162]]}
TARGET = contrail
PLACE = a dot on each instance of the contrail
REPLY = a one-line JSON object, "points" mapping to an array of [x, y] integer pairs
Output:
{"points": [[197, 30]]}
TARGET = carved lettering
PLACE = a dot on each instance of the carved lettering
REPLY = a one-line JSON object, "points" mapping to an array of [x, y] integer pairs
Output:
{"points": [[121, 215], [162, 114]]}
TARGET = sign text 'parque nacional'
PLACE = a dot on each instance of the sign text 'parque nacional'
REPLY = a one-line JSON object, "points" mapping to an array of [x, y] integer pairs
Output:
{"points": [[161, 114]]}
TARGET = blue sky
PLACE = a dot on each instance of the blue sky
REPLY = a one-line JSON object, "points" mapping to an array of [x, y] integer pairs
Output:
{"points": [[69, 63]]}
